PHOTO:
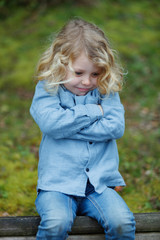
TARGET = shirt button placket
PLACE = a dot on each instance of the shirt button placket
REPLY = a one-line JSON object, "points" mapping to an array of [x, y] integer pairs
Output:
{"points": [[87, 169]]}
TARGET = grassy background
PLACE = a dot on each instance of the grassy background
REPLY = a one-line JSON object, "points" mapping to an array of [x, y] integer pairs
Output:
{"points": [[26, 31]]}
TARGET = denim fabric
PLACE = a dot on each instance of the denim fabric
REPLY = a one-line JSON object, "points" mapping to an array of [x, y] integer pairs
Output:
{"points": [[78, 142], [58, 211]]}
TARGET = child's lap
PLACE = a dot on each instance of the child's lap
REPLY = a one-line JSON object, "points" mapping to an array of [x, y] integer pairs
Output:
{"points": [[109, 203]]}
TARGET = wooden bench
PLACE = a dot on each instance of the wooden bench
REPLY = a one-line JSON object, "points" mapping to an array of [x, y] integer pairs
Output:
{"points": [[85, 228]]}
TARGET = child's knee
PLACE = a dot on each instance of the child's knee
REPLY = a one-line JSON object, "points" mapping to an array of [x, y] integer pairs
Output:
{"points": [[56, 226], [125, 226], [122, 227]]}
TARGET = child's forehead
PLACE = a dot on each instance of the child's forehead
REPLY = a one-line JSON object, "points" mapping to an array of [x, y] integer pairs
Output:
{"points": [[81, 59], [83, 63]]}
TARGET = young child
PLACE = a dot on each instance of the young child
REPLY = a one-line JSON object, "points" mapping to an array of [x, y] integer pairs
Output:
{"points": [[78, 109]]}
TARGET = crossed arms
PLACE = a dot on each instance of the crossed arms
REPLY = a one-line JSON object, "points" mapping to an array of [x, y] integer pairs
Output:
{"points": [[83, 122]]}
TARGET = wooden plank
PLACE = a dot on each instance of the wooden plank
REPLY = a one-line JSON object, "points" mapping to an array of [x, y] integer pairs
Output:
{"points": [[73, 237], [87, 237], [17, 238], [148, 236], [147, 222], [18, 226], [139, 236], [85, 225], [27, 226]]}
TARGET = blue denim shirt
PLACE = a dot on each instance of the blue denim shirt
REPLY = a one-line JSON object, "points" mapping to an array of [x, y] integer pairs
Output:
{"points": [[78, 142]]}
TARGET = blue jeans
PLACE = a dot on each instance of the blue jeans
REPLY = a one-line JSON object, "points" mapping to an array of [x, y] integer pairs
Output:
{"points": [[58, 211]]}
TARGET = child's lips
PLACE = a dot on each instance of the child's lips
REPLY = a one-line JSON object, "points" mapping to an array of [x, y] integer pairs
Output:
{"points": [[83, 89]]}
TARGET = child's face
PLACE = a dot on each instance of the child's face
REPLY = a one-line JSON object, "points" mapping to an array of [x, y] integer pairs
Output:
{"points": [[84, 77]]}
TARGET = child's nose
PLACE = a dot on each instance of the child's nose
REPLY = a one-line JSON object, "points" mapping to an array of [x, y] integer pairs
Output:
{"points": [[86, 80]]}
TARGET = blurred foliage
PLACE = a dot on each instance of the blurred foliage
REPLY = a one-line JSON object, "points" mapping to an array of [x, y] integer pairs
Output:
{"points": [[27, 28], [7, 6]]}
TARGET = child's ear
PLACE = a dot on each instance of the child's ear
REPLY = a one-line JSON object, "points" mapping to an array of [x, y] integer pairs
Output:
{"points": [[118, 188]]}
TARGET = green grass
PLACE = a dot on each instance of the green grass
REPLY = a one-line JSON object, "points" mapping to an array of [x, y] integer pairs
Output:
{"points": [[132, 27]]}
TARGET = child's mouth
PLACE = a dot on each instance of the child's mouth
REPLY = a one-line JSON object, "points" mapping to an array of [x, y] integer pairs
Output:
{"points": [[83, 89]]}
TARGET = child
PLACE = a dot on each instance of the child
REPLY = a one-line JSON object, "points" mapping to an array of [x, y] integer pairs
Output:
{"points": [[77, 107]]}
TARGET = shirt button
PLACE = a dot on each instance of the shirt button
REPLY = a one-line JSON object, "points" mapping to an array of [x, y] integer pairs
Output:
{"points": [[90, 142], [87, 169]]}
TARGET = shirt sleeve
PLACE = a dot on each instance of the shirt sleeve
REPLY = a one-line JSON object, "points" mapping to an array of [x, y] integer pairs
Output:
{"points": [[110, 126], [53, 120]]}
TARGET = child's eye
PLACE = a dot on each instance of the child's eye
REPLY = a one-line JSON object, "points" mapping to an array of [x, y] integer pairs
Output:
{"points": [[95, 74], [78, 73]]}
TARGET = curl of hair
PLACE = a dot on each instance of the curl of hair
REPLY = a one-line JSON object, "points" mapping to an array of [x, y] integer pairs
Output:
{"points": [[74, 38]]}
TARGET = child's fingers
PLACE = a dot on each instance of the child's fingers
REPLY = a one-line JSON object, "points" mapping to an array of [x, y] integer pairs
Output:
{"points": [[118, 188], [101, 109]]}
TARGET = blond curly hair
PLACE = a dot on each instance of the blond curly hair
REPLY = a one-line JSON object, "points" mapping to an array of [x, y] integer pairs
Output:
{"points": [[77, 36]]}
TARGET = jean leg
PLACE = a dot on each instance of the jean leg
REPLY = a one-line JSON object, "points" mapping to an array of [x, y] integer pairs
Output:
{"points": [[57, 212], [112, 213]]}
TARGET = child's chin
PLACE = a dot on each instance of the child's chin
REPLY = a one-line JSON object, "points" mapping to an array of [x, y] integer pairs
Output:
{"points": [[82, 94]]}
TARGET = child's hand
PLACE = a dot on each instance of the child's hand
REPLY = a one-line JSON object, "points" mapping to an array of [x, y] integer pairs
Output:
{"points": [[101, 109], [118, 188]]}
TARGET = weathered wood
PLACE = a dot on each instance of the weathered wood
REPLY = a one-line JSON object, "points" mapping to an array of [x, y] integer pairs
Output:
{"points": [[139, 236], [148, 236], [17, 238], [146, 223], [27, 226], [18, 226], [73, 237]]}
